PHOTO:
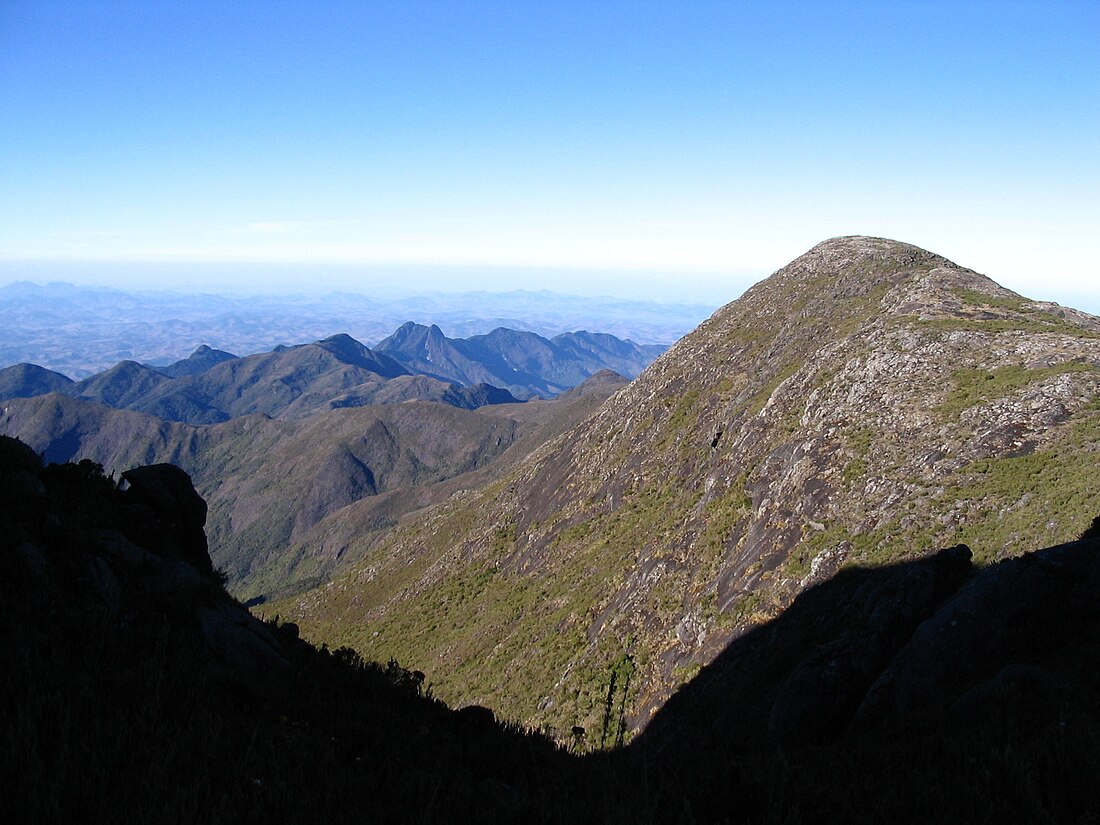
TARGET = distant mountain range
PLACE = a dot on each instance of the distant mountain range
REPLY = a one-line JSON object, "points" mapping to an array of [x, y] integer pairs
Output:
{"points": [[524, 363], [79, 331], [415, 363]]}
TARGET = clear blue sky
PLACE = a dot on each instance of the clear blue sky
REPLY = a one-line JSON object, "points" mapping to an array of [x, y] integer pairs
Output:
{"points": [[705, 143]]}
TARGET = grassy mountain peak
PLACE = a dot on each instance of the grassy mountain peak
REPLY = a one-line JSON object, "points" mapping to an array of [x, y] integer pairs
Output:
{"points": [[868, 403]]}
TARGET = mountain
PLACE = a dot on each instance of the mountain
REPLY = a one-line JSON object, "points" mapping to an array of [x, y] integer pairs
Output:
{"points": [[865, 405], [212, 386], [930, 690], [288, 382], [27, 380], [124, 385], [524, 363]]}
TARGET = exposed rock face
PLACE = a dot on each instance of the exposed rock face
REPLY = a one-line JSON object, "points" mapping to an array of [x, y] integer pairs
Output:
{"points": [[869, 402]]}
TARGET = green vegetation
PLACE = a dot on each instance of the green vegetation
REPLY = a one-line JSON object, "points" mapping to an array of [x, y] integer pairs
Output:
{"points": [[1044, 497], [1015, 303], [1039, 322], [975, 386], [724, 512], [613, 731], [682, 411], [854, 471], [1018, 315]]}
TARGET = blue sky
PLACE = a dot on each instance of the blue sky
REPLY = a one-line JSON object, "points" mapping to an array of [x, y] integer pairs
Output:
{"points": [[635, 148]]}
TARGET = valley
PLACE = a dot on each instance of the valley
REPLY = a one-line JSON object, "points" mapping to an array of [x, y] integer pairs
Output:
{"points": [[282, 444]]}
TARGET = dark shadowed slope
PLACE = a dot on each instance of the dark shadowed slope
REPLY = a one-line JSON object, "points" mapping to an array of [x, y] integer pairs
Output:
{"points": [[135, 690], [919, 692]]}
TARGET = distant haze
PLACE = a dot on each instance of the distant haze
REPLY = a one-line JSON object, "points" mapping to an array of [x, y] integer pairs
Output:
{"points": [[78, 330], [382, 281]]}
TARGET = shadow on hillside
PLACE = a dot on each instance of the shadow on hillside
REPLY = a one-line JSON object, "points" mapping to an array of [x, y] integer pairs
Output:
{"points": [[924, 691]]}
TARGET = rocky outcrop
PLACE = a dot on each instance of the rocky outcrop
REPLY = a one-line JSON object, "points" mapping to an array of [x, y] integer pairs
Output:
{"points": [[931, 643], [179, 513], [137, 547], [819, 697], [1013, 612]]}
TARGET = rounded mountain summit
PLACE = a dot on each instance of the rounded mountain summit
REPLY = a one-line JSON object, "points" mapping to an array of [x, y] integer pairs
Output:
{"points": [[871, 402]]}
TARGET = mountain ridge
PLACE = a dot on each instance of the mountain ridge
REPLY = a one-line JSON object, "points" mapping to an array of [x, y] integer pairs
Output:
{"points": [[212, 386], [522, 362]]}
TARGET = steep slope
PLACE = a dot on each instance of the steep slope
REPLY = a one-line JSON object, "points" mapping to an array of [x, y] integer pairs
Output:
{"points": [[134, 689], [350, 533], [866, 404], [524, 363]]}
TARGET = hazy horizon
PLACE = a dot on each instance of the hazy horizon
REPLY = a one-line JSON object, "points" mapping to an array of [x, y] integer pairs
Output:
{"points": [[384, 280], [397, 281]]}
